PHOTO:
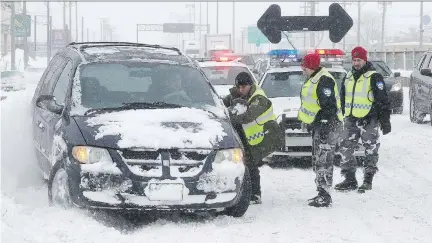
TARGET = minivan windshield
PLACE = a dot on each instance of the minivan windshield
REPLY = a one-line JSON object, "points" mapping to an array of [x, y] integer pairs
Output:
{"points": [[114, 84]]}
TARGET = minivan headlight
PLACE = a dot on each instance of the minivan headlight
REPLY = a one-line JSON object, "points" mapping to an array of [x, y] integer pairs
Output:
{"points": [[234, 155], [90, 155]]}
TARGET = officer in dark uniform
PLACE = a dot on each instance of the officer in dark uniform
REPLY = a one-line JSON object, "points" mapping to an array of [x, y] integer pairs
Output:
{"points": [[367, 108], [321, 111]]}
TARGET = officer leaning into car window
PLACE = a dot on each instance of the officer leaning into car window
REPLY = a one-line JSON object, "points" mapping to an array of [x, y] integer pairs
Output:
{"points": [[321, 111], [251, 114], [367, 107]]}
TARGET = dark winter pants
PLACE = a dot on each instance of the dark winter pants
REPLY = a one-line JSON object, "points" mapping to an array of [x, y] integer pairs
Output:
{"points": [[354, 129], [323, 151], [255, 179]]}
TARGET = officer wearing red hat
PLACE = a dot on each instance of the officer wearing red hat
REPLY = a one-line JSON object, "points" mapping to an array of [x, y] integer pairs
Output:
{"points": [[366, 108], [321, 111]]}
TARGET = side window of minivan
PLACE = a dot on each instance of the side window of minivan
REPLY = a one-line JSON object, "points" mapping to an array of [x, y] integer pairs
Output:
{"points": [[43, 81], [61, 87], [47, 84]]}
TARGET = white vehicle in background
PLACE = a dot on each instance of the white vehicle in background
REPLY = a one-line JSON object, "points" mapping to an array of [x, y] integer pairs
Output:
{"points": [[282, 84], [221, 74], [12, 80], [191, 48]]}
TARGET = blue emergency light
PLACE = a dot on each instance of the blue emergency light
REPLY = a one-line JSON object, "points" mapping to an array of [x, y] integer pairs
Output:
{"points": [[283, 53]]}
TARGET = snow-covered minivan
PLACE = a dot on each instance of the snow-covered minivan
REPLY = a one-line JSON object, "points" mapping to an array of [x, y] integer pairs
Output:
{"points": [[133, 126]]}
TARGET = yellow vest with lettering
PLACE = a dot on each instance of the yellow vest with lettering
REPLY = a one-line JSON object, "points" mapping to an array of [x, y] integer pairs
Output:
{"points": [[254, 131], [309, 98], [358, 95]]}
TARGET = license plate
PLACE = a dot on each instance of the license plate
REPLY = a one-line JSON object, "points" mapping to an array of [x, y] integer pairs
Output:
{"points": [[164, 192]]}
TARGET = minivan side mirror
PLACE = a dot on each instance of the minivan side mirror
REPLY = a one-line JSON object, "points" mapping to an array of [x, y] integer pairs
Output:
{"points": [[426, 72], [47, 102], [397, 74]]}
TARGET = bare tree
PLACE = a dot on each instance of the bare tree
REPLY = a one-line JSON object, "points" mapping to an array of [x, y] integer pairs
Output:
{"points": [[370, 28]]}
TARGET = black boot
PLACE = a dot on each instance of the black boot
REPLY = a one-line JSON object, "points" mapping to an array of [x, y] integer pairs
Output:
{"points": [[322, 200], [367, 183], [349, 184]]}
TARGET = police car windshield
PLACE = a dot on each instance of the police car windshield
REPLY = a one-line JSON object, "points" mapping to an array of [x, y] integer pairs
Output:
{"points": [[289, 84], [283, 84], [223, 75]]}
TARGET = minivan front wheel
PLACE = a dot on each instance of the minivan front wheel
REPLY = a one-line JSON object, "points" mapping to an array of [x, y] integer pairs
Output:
{"points": [[242, 205], [58, 188]]}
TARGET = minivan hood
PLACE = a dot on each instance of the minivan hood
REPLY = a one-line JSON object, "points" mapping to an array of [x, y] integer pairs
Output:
{"points": [[157, 129]]}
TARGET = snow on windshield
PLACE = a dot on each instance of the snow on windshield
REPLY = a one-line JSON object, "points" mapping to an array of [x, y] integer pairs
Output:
{"points": [[164, 128]]}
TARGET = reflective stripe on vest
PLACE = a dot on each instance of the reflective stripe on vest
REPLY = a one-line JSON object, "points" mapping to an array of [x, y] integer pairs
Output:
{"points": [[309, 98], [254, 131], [360, 100]]}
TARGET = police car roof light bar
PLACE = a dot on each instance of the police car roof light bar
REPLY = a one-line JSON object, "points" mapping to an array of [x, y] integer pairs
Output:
{"points": [[329, 52]]}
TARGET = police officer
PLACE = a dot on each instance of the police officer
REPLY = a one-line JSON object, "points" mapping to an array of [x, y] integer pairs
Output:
{"points": [[367, 107], [251, 113], [321, 111]]}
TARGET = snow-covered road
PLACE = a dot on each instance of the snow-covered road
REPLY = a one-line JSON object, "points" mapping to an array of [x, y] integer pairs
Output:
{"points": [[398, 209]]}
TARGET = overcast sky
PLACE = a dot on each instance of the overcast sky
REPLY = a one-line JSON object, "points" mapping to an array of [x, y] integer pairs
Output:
{"points": [[125, 15]]}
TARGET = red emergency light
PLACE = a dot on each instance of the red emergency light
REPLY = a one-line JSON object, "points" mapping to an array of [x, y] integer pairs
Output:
{"points": [[226, 57], [329, 52]]}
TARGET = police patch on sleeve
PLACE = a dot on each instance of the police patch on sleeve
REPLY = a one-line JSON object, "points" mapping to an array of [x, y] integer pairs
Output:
{"points": [[327, 91], [380, 85]]}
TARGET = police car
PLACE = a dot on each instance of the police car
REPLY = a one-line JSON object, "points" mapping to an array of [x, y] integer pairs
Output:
{"points": [[282, 84], [221, 72]]}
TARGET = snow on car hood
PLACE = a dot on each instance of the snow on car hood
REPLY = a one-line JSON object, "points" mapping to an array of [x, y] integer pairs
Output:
{"points": [[161, 128], [222, 90], [286, 105]]}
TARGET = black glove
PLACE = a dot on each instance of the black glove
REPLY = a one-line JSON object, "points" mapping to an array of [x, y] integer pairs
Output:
{"points": [[385, 127]]}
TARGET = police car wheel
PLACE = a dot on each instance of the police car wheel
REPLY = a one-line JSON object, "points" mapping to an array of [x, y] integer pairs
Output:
{"points": [[242, 205]]}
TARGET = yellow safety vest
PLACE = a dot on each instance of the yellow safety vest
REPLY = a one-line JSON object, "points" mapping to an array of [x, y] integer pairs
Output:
{"points": [[360, 100], [309, 98], [254, 131]]}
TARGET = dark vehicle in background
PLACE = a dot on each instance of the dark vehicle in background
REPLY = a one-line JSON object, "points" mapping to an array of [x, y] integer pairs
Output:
{"points": [[392, 81], [420, 90], [129, 126]]}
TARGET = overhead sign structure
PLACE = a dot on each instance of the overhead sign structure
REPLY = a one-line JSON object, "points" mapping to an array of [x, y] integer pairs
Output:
{"points": [[338, 23], [178, 28], [22, 25]]}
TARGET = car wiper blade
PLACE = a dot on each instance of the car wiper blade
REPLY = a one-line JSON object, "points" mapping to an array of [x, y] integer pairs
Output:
{"points": [[97, 110], [134, 105], [147, 105]]}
